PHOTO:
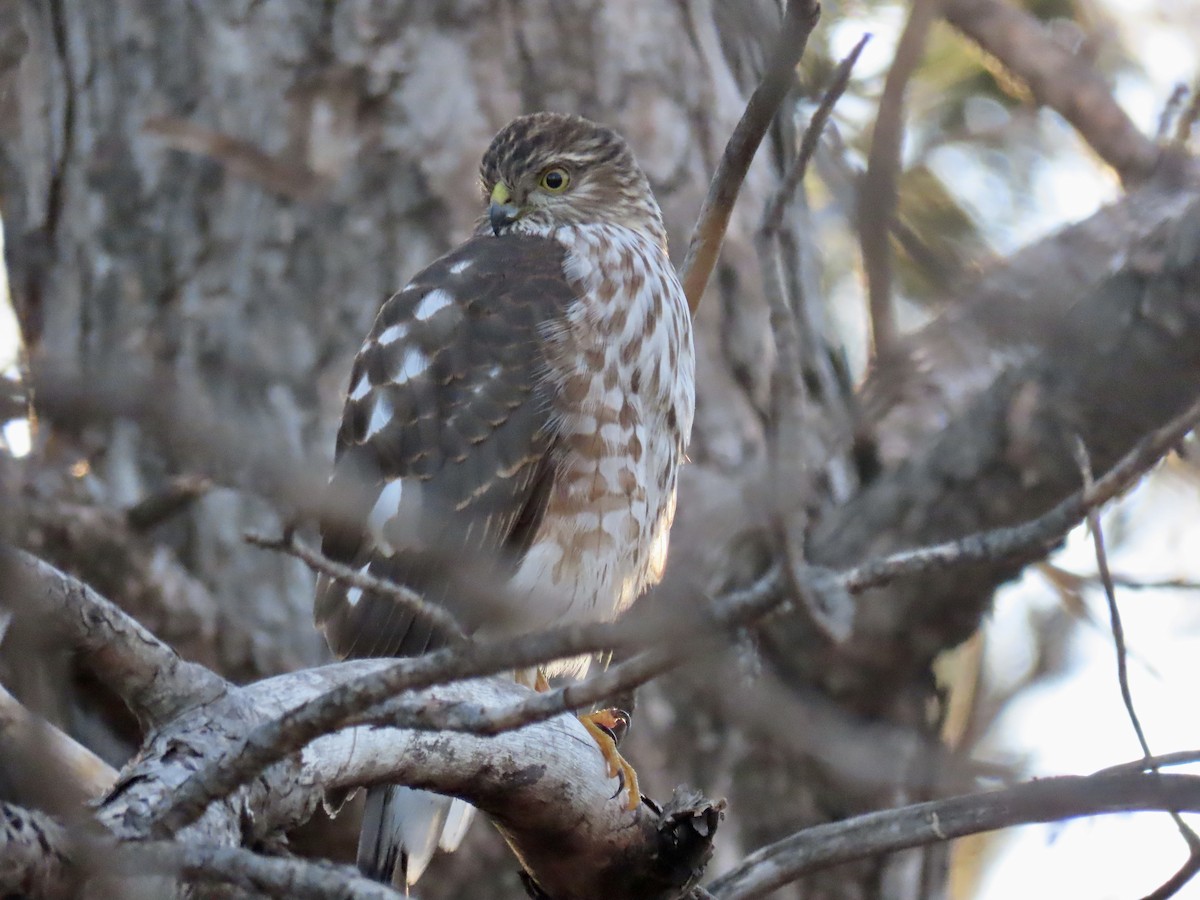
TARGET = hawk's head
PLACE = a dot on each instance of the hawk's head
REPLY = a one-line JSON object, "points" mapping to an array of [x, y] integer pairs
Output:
{"points": [[547, 169]]}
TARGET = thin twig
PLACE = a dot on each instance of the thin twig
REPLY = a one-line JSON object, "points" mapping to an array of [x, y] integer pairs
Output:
{"points": [[877, 194], [1176, 882], [1164, 761], [798, 22], [737, 608], [1192, 865], [1032, 537], [1110, 595], [242, 158], [1129, 583], [402, 596], [272, 876], [782, 312], [773, 214]]}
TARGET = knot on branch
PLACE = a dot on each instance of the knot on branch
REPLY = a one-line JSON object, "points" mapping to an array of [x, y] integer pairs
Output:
{"points": [[661, 858], [686, 827]]}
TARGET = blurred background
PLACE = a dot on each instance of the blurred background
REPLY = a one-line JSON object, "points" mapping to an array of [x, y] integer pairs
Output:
{"points": [[204, 206]]}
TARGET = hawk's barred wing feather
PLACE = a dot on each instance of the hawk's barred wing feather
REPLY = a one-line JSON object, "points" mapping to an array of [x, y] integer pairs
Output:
{"points": [[446, 447]]}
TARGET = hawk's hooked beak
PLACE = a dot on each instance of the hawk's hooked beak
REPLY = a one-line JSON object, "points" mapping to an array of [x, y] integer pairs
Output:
{"points": [[501, 211]]}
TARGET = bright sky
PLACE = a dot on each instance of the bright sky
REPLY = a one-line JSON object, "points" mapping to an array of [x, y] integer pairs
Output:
{"points": [[14, 436]]}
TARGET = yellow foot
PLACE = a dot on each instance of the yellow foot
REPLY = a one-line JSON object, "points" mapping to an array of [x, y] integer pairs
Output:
{"points": [[606, 727], [541, 683]]}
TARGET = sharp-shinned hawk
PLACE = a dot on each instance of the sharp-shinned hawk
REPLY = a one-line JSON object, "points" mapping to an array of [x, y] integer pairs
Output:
{"points": [[527, 397]]}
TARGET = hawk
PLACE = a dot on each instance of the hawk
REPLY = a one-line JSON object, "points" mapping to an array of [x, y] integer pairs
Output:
{"points": [[526, 398]]}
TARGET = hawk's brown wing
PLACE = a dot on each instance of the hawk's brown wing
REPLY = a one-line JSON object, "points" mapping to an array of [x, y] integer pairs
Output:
{"points": [[446, 448]]}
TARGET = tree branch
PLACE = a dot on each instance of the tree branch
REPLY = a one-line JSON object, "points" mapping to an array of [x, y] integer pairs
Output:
{"points": [[1008, 458], [40, 858], [1058, 79], [922, 824], [404, 597], [798, 22], [26, 736], [545, 785], [1192, 864], [1034, 538], [877, 194], [147, 674], [353, 701]]}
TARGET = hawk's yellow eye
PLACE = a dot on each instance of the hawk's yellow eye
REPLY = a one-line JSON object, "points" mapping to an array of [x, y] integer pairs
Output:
{"points": [[555, 180]]}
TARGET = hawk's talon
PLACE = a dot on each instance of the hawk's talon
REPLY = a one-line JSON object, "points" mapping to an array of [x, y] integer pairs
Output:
{"points": [[607, 727]]}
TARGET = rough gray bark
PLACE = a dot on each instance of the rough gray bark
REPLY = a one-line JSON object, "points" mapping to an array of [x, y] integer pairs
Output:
{"points": [[220, 196]]}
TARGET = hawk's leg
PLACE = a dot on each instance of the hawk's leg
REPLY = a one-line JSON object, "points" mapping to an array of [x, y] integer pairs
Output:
{"points": [[607, 727]]}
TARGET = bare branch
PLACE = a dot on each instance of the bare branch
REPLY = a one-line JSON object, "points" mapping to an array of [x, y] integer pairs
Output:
{"points": [[349, 702], [40, 858], [402, 596], [1188, 115], [1176, 882], [147, 674], [545, 785], [877, 194], [1128, 582], [798, 22], [102, 547], [782, 315], [273, 876], [353, 700], [1170, 110], [1166, 760], [1059, 79], [773, 214], [1118, 632], [25, 735], [923, 824], [1033, 538]]}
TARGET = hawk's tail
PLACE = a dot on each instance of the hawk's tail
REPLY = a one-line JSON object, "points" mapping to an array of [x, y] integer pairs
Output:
{"points": [[403, 827]]}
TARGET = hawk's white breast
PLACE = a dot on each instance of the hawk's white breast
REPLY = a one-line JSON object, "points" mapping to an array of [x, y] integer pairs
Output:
{"points": [[623, 366]]}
